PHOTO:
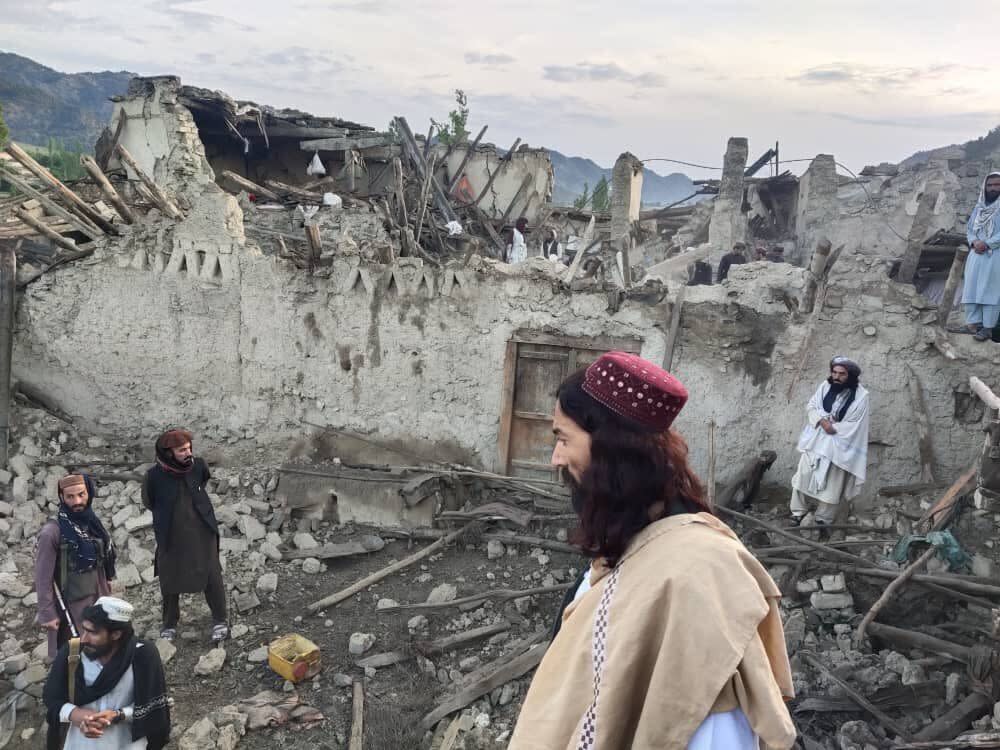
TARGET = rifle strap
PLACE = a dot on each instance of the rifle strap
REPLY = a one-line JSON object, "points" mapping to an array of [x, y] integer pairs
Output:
{"points": [[73, 663]]}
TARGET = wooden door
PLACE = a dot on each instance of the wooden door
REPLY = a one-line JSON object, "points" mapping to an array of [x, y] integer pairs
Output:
{"points": [[536, 364]]}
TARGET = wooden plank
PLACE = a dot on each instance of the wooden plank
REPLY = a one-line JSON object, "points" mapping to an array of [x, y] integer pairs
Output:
{"points": [[958, 488], [460, 640], [917, 234], [161, 199], [76, 203], [491, 230], [972, 707], [955, 275], [249, 186], [451, 734], [592, 343], [676, 310], [496, 172], [984, 392], [357, 741], [501, 595], [963, 742], [525, 184], [379, 661], [334, 550], [377, 576], [924, 444], [296, 192], [506, 406], [82, 225], [107, 189], [345, 143], [502, 671], [45, 231]]}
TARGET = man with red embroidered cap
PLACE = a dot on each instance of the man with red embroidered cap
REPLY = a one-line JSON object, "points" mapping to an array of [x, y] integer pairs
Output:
{"points": [[74, 555], [187, 533], [673, 639]]}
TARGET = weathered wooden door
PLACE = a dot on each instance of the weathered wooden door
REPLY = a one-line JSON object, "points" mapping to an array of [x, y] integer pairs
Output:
{"points": [[536, 364]]}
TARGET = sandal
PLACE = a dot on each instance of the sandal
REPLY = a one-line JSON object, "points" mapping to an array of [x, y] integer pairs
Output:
{"points": [[168, 634], [964, 329], [984, 334], [220, 632]]}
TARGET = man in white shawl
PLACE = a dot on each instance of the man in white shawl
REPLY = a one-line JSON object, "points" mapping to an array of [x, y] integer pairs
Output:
{"points": [[981, 290], [834, 444]]}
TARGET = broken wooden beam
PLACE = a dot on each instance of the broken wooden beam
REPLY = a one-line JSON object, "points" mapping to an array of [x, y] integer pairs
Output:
{"points": [[61, 259], [84, 226], [249, 186], [416, 157], [984, 392], [346, 143], [816, 266], [951, 285], [974, 706], [334, 550], [962, 742], [499, 595], [357, 740], [74, 201], [676, 308], [909, 639], [387, 571], [894, 585], [379, 661], [924, 445], [47, 232], [504, 160], [107, 189], [160, 199], [937, 513], [469, 150], [495, 674], [295, 192], [460, 640], [525, 184], [743, 488]]}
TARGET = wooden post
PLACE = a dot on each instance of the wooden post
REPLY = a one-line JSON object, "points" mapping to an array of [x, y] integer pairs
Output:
{"points": [[525, 183], [397, 188], [415, 156], [251, 187], [675, 324], [72, 199], [45, 231], [923, 426], [358, 717], [465, 160], [83, 225], [315, 245], [496, 172], [8, 282], [107, 189], [816, 267], [918, 233], [951, 286], [161, 199]]}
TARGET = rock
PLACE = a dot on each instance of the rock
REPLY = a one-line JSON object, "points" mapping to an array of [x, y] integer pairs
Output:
{"points": [[825, 600], [246, 600], [20, 491], [16, 663], [982, 565], [251, 528], [211, 662], [20, 465], [199, 736], [417, 624], [446, 592], [807, 586], [270, 552], [857, 735], [27, 734], [304, 541], [360, 643], [311, 565], [258, 655], [795, 631], [267, 583], [495, 549], [343, 680], [469, 663], [951, 688], [229, 738], [833, 584], [508, 693], [167, 650], [912, 674], [233, 544], [128, 576], [6, 509], [11, 585], [119, 518], [144, 521], [896, 662], [148, 574], [238, 631], [386, 604], [33, 675], [482, 721]]}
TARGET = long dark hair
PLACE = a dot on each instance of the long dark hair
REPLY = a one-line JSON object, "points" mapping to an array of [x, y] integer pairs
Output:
{"points": [[632, 470]]}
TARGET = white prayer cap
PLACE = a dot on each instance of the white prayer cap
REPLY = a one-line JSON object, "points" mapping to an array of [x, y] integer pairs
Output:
{"points": [[117, 610]]}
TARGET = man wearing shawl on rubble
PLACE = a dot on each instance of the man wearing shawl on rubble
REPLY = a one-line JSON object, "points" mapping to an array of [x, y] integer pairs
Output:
{"points": [[834, 444], [187, 533], [981, 288], [673, 639], [110, 693], [74, 552]]}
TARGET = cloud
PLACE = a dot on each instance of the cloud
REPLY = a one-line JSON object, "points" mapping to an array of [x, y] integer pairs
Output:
{"points": [[601, 72], [196, 20], [921, 122], [871, 78], [487, 60]]}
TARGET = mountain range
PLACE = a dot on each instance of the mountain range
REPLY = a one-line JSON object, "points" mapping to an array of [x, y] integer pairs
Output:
{"points": [[41, 103]]}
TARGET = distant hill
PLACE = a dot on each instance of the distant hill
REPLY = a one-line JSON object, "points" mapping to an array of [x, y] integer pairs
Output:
{"points": [[41, 103], [573, 172]]}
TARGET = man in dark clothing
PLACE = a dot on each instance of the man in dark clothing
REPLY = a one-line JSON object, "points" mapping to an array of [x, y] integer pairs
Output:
{"points": [[74, 553], [776, 254], [187, 534], [113, 694], [737, 256]]}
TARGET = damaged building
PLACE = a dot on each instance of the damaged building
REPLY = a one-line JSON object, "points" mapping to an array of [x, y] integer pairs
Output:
{"points": [[355, 327]]}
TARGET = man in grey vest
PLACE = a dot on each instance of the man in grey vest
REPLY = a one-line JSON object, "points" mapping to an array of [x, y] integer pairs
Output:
{"points": [[74, 561]]}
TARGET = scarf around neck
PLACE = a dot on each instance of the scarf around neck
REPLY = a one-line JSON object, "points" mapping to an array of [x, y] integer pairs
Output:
{"points": [[84, 534], [831, 396], [986, 217]]}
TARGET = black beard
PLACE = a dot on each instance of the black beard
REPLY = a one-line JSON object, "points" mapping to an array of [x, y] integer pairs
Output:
{"points": [[991, 196], [576, 496], [98, 652], [186, 461]]}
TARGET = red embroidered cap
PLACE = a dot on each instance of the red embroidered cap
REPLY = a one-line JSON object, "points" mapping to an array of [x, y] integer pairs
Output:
{"points": [[636, 389]]}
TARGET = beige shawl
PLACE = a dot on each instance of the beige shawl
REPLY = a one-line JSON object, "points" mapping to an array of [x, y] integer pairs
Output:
{"points": [[691, 628]]}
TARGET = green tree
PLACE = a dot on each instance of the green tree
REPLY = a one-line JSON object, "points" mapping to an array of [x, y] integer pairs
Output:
{"points": [[583, 198], [3, 129], [601, 199], [455, 130]]}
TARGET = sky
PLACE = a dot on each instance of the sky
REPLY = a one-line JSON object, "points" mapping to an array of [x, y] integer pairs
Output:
{"points": [[866, 81]]}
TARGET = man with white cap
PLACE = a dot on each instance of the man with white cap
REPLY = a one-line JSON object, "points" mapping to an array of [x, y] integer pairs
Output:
{"points": [[113, 695], [834, 444]]}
